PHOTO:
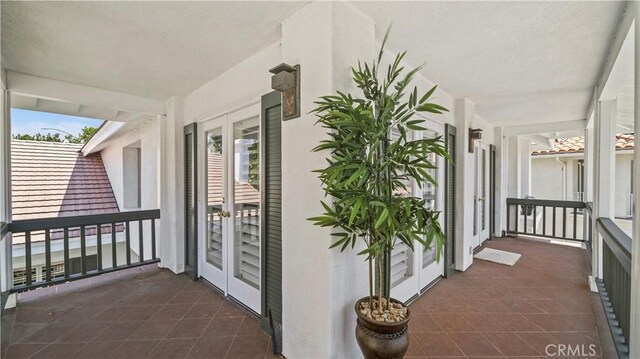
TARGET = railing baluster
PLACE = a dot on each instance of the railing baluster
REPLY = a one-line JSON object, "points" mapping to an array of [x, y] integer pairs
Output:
{"points": [[99, 245], [140, 241], [564, 222], [553, 230], [544, 220], [575, 223], [535, 215], [153, 238], [75, 228], [526, 212], [114, 256], [83, 251], [128, 242], [67, 270], [27, 256], [47, 254]]}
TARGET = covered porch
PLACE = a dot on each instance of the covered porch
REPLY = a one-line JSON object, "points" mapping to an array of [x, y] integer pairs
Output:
{"points": [[491, 310], [143, 312], [191, 102]]}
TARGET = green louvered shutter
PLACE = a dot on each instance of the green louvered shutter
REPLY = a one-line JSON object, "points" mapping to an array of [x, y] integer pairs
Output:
{"points": [[450, 202], [271, 226], [190, 200]]}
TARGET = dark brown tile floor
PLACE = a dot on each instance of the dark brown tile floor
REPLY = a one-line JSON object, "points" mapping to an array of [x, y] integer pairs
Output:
{"points": [[493, 310], [490, 310], [143, 312]]}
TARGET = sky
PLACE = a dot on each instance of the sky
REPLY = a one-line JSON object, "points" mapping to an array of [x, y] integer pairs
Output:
{"points": [[32, 122]]}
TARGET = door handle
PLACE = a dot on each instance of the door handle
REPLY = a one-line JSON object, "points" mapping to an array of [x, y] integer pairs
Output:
{"points": [[225, 214]]}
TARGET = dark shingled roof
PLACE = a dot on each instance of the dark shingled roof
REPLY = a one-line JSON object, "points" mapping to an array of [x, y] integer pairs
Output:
{"points": [[54, 180]]}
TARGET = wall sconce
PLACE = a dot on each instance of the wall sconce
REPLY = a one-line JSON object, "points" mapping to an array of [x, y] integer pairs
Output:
{"points": [[286, 79], [474, 134]]}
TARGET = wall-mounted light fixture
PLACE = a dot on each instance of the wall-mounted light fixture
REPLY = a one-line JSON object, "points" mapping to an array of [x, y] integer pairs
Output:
{"points": [[474, 134], [286, 79]]}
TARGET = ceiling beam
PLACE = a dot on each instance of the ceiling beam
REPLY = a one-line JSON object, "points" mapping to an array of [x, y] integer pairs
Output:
{"points": [[538, 128], [542, 141], [84, 95], [616, 45]]}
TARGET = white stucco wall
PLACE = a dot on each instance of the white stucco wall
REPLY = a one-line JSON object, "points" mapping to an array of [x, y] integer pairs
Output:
{"points": [[550, 180], [240, 85], [325, 39], [623, 184], [547, 178], [146, 137]]}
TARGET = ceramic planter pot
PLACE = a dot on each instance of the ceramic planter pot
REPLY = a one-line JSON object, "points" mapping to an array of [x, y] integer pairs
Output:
{"points": [[381, 340]]}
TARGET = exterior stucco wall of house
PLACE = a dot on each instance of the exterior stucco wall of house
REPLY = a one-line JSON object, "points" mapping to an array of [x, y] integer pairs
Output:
{"points": [[547, 178], [552, 180], [145, 138], [623, 185]]}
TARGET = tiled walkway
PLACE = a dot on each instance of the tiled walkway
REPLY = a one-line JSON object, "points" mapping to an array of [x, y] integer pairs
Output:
{"points": [[527, 310], [490, 310], [139, 313]]}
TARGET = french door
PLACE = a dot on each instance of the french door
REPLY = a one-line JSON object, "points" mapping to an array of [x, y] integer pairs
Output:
{"points": [[230, 205], [482, 193], [411, 271]]}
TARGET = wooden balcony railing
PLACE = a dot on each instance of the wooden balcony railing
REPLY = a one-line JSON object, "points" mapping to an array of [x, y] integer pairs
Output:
{"points": [[37, 238], [545, 218], [574, 221], [615, 285]]}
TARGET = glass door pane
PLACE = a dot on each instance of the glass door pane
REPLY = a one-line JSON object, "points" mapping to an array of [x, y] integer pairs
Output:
{"points": [[246, 189], [215, 197], [430, 195]]}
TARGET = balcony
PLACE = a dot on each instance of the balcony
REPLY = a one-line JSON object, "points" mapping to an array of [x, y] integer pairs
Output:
{"points": [[493, 310], [489, 310], [134, 313]]}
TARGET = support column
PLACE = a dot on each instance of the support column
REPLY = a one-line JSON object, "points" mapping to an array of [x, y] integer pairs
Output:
{"points": [[588, 163], [6, 273], [513, 172], [171, 234], [464, 111], [603, 202], [319, 286], [501, 182], [634, 348], [524, 156]]}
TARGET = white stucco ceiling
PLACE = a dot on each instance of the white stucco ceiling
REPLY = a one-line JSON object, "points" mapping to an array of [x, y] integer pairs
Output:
{"points": [[149, 49], [520, 62]]}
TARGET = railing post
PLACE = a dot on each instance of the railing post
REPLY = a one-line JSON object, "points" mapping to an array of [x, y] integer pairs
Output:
{"points": [[634, 347], [605, 127]]}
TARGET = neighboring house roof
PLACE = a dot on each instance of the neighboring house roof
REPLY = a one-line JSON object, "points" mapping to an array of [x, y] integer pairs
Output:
{"points": [[576, 145], [54, 180], [244, 192]]}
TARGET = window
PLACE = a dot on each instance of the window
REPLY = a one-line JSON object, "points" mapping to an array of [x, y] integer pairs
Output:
{"points": [[20, 276], [131, 176]]}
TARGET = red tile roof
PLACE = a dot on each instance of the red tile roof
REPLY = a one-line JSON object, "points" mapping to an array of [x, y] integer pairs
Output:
{"points": [[55, 180], [576, 145]]}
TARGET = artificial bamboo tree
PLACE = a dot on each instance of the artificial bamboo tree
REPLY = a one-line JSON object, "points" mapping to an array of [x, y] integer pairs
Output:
{"points": [[368, 174]]}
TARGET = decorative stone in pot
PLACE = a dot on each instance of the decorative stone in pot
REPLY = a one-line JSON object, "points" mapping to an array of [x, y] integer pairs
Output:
{"points": [[381, 339]]}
